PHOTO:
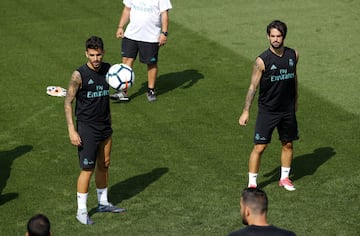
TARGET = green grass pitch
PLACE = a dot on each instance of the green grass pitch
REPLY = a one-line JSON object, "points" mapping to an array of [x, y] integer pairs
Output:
{"points": [[179, 164]]}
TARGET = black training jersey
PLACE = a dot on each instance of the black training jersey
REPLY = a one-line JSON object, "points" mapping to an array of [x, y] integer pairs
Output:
{"points": [[253, 230], [277, 85], [92, 99]]}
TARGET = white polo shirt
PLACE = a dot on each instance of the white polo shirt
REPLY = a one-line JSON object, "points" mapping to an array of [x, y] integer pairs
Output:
{"points": [[145, 19]]}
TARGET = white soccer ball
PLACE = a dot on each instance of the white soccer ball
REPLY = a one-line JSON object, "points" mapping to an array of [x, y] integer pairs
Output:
{"points": [[120, 77]]}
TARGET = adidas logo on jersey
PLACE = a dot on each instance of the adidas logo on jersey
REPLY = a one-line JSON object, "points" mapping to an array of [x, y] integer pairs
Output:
{"points": [[273, 67], [91, 81]]}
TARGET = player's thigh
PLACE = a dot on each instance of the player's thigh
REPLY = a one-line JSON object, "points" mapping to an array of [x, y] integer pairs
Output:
{"points": [[288, 127], [148, 52], [264, 127], [129, 48], [104, 151], [88, 150]]}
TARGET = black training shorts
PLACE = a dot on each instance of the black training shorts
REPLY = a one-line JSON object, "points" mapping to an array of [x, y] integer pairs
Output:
{"points": [[148, 52], [91, 136], [285, 122]]}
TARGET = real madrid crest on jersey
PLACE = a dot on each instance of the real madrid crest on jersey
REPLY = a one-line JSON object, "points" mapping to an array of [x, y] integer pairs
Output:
{"points": [[291, 62]]}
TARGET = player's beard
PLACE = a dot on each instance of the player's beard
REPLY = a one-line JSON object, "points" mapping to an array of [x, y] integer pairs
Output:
{"points": [[279, 45], [244, 221], [96, 64]]}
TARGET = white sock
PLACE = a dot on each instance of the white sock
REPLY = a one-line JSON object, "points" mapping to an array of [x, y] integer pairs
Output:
{"points": [[252, 179], [285, 171], [102, 194], [81, 201]]}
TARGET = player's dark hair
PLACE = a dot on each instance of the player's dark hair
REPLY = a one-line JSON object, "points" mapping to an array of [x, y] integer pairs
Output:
{"points": [[38, 225], [279, 25], [94, 42], [255, 199]]}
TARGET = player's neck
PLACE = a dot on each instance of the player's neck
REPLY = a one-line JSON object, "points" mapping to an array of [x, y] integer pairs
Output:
{"points": [[277, 51], [258, 221]]}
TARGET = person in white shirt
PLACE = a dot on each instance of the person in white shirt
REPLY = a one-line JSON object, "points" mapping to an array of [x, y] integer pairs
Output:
{"points": [[146, 31]]}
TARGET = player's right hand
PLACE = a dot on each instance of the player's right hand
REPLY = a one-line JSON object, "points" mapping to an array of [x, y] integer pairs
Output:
{"points": [[244, 118], [75, 138], [120, 33]]}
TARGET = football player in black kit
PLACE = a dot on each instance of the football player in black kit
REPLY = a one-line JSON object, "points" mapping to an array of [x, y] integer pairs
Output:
{"points": [[253, 210], [274, 71], [92, 135]]}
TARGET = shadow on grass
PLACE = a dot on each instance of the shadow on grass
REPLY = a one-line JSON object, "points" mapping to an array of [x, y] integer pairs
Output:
{"points": [[302, 165], [6, 160], [132, 186], [167, 82]]}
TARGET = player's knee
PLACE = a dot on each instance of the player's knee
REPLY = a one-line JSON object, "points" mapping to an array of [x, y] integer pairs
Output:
{"points": [[103, 166], [287, 145], [260, 148], [106, 164]]}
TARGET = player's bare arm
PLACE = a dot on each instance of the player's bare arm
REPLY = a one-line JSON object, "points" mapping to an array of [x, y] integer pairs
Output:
{"points": [[74, 85], [124, 19], [258, 69], [164, 27]]}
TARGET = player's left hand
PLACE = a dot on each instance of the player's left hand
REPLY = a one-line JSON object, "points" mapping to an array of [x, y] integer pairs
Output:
{"points": [[162, 40]]}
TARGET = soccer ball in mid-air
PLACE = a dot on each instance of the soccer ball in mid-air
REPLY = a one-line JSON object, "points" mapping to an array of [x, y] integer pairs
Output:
{"points": [[120, 77]]}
